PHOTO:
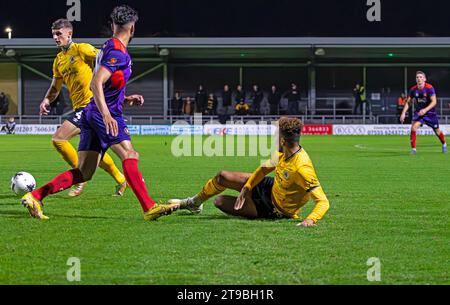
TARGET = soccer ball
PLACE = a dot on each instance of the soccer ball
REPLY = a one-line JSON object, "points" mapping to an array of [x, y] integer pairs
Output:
{"points": [[22, 183]]}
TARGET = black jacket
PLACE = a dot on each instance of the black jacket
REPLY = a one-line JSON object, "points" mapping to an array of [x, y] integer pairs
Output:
{"points": [[274, 98], [239, 95], [293, 95], [226, 98], [201, 99], [257, 97]]}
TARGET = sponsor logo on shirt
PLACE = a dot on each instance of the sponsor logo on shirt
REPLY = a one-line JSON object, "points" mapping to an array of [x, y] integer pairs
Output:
{"points": [[112, 61]]}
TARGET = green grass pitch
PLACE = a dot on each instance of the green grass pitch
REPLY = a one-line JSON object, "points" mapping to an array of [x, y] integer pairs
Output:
{"points": [[385, 203]]}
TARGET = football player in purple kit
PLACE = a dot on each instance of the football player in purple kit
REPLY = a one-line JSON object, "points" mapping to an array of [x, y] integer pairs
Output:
{"points": [[425, 101], [102, 123]]}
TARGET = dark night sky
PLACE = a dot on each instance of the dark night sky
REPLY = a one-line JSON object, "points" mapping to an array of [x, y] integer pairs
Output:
{"points": [[243, 18]]}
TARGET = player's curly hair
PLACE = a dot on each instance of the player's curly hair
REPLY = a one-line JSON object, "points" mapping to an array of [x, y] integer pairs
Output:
{"points": [[124, 14], [290, 129]]}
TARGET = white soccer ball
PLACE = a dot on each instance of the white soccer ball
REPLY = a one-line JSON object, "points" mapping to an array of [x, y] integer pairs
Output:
{"points": [[22, 183]]}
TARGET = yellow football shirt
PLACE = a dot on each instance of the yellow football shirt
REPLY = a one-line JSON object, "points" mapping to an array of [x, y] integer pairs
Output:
{"points": [[75, 67], [295, 183]]}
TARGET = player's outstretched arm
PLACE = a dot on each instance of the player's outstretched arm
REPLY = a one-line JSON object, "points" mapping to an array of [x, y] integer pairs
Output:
{"points": [[51, 95], [321, 207], [99, 79], [405, 109]]}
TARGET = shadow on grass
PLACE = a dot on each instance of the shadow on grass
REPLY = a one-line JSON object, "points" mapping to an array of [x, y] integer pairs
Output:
{"points": [[228, 218]]}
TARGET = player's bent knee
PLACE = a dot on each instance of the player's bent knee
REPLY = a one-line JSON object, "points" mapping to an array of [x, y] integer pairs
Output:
{"points": [[132, 154], [221, 177]]}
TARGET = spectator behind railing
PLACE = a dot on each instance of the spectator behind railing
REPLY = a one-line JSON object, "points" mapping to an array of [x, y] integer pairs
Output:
{"points": [[200, 99], [360, 98], [4, 103], [211, 106], [226, 99], [274, 99], [239, 94], [257, 96], [242, 108], [293, 97], [188, 107], [177, 104]]}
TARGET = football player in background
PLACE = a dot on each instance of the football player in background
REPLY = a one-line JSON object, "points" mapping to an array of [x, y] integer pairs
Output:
{"points": [[73, 66], [424, 97]]}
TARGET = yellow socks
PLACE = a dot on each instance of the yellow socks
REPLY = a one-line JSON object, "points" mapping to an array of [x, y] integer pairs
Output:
{"points": [[67, 151], [70, 155], [107, 163], [210, 189]]}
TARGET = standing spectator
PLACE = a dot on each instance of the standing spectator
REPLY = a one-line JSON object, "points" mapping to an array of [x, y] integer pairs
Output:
{"points": [[360, 98], [188, 107], [4, 104], [10, 126], [242, 108], [274, 100], [200, 99], [293, 97], [239, 94], [257, 97], [226, 98], [211, 106], [177, 103]]}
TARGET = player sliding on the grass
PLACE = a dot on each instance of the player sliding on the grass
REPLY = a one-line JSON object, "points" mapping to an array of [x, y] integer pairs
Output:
{"points": [[73, 66], [102, 123], [425, 102], [294, 185]]}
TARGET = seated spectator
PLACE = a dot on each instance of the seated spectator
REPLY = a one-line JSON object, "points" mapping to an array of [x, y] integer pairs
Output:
{"points": [[242, 108], [10, 126]]}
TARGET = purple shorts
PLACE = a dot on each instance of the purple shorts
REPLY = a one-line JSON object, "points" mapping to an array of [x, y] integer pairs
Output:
{"points": [[93, 135], [428, 119]]}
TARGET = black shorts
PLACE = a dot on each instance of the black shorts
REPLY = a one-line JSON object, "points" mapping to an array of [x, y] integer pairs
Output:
{"points": [[262, 197], [75, 117]]}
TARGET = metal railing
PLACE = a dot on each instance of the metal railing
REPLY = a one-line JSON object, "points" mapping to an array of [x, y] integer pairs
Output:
{"points": [[327, 111]]}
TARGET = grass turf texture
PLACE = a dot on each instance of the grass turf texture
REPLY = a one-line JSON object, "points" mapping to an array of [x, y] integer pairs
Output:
{"points": [[384, 203]]}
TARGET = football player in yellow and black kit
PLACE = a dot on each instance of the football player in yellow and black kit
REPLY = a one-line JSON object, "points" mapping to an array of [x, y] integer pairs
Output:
{"points": [[295, 183], [73, 66]]}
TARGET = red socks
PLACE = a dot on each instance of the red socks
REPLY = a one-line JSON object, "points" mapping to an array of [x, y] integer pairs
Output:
{"points": [[137, 184], [441, 138], [413, 139], [59, 183]]}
